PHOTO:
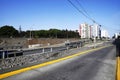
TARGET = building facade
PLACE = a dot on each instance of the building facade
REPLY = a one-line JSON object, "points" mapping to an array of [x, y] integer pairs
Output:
{"points": [[84, 30], [89, 31], [104, 33], [117, 34], [96, 31]]}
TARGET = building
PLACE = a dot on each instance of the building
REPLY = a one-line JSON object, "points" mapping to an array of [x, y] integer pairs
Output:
{"points": [[92, 31], [104, 33], [96, 30], [84, 30], [89, 31], [117, 34]]}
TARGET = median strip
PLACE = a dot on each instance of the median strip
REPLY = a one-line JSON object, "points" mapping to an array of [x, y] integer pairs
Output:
{"points": [[5, 75]]}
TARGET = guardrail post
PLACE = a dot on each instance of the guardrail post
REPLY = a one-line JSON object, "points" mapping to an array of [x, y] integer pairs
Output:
{"points": [[77, 46], [3, 55], [43, 50], [80, 44], [67, 47], [51, 49], [15, 54]]}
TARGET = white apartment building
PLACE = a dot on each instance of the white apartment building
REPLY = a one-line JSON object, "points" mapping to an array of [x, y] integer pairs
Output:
{"points": [[104, 33], [92, 31], [96, 31], [84, 30], [117, 34]]}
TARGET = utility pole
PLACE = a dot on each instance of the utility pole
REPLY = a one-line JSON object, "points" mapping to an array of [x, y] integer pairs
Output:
{"points": [[94, 34], [20, 30], [31, 34], [67, 33]]}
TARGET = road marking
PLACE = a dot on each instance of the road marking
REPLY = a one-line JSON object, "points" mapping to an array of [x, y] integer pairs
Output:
{"points": [[5, 75], [118, 69]]}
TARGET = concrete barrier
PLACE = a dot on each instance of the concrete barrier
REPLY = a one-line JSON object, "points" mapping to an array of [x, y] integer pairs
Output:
{"points": [[34, 45]]}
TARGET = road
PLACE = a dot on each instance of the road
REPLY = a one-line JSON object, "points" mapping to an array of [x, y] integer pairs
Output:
{"points": [[97, 65]]}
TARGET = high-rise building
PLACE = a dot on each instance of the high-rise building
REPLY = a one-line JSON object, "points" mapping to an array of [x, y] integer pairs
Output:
{"points": [[89, 31], [117, 34], [92, 31], [104, 33], [84, 30], [96, 31]]}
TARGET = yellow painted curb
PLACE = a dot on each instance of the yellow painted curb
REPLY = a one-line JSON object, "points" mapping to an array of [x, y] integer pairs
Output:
{"points": [[118, 69], [5, 75]]}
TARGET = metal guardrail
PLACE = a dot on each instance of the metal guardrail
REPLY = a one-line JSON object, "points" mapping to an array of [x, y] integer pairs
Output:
{"points": [[10, 53], [13, 53]]}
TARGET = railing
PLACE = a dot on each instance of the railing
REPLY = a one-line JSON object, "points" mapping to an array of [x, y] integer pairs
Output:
{"points": [[13, 53]]}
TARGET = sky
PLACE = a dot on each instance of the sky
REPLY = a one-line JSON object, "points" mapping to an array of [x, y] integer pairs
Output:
{"points": [[59, 14]]}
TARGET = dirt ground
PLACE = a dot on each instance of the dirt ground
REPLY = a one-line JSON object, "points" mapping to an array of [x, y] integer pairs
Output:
{"points": [[24, 42]]}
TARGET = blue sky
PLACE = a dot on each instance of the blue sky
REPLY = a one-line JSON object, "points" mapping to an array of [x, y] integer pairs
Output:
{"points": [[60, 14]]}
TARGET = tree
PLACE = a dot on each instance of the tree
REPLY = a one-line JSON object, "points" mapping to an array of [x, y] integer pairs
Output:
{"points": [[8, 31], [54, 33]]}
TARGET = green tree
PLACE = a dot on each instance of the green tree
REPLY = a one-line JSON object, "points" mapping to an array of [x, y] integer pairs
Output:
{"points": [[8, 31], [54, 33], [42, 33]]}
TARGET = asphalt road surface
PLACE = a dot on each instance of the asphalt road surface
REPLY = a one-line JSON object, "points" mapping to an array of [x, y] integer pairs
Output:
{"points": [[97, 65]]}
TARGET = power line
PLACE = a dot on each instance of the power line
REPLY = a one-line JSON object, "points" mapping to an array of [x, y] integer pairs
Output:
{"points": [[80, 11], [78, 2], [83, 13]]}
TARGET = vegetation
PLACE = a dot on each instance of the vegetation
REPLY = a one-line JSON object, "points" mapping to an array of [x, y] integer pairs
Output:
{"points": [[10, 31]]}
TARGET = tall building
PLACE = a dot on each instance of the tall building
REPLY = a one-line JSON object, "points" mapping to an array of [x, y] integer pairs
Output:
{"points": [[84, 30], [117, 34], [104, 33], [96, 31], [89, 31]]}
